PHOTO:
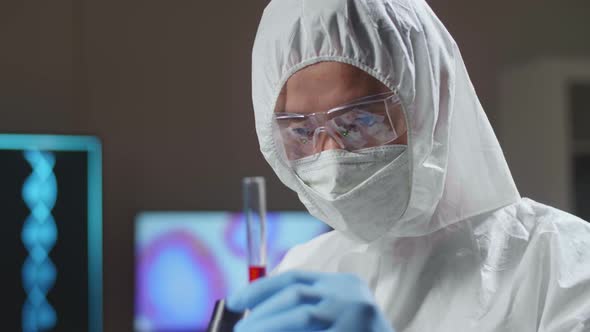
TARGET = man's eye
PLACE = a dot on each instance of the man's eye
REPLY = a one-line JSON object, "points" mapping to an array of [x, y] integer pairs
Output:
{"points": [[301, 131], [303, 135]]}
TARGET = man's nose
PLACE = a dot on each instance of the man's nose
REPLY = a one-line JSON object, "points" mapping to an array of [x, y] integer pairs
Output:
{"points": [[327, 142]]}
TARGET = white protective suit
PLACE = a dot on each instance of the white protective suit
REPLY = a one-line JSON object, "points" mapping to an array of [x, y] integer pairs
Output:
{"points": [[468, 253]]}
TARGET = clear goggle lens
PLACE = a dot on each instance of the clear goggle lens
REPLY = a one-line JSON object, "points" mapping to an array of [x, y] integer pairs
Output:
{"points": [[368, 122]]}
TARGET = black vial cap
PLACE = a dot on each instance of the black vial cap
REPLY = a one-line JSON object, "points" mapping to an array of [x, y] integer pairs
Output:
{"points": [[223, 319]]}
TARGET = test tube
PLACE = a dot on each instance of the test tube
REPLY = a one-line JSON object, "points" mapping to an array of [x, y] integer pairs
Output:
{"points": [[253, 190]]}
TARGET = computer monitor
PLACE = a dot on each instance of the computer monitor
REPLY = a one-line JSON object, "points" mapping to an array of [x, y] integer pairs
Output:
{"points": [[187, 260], [50, 194]]}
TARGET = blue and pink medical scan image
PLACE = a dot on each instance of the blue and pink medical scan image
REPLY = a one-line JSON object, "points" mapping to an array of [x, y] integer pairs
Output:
{"points": [[185, 261]]}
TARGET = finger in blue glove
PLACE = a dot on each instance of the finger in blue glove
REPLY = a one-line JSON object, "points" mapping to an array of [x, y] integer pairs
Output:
{"points": [[308, 301]]}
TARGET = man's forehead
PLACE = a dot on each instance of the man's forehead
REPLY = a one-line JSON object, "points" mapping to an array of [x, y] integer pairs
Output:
{"points": [[326, 85]]}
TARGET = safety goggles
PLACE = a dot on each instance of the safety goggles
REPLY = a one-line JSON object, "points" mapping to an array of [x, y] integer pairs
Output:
{"points": [[364, 123]]}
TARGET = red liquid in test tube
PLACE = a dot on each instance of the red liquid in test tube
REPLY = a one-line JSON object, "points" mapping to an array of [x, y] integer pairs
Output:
{"points": [[256, 272], [254, 198]]}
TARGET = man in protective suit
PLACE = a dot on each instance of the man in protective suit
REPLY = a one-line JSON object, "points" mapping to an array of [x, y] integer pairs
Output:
{"points": [[365, 109]]}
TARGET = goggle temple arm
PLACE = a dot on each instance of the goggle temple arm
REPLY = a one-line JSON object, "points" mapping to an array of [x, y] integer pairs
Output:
{"points": [[388, 113]]}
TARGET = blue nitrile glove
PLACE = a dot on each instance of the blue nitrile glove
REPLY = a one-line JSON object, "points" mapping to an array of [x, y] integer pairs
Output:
{"points": [[308, 301]]}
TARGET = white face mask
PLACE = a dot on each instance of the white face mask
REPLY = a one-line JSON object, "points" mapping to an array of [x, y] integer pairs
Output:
{"points": [[336, 172], [363, 193]]}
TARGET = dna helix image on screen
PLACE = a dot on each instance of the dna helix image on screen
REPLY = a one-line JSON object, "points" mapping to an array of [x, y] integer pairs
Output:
{"points": [[39, 235]]}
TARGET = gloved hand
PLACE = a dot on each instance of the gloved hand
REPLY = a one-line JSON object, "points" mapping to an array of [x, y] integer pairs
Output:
{"points": [[308, 301]]}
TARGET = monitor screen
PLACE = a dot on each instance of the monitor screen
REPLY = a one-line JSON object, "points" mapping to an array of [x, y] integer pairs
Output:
{"points": [[50, 189], [186, 261]]}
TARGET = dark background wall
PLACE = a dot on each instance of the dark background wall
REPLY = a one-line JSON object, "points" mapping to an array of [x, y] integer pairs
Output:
{"points": [[166, 86]]}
